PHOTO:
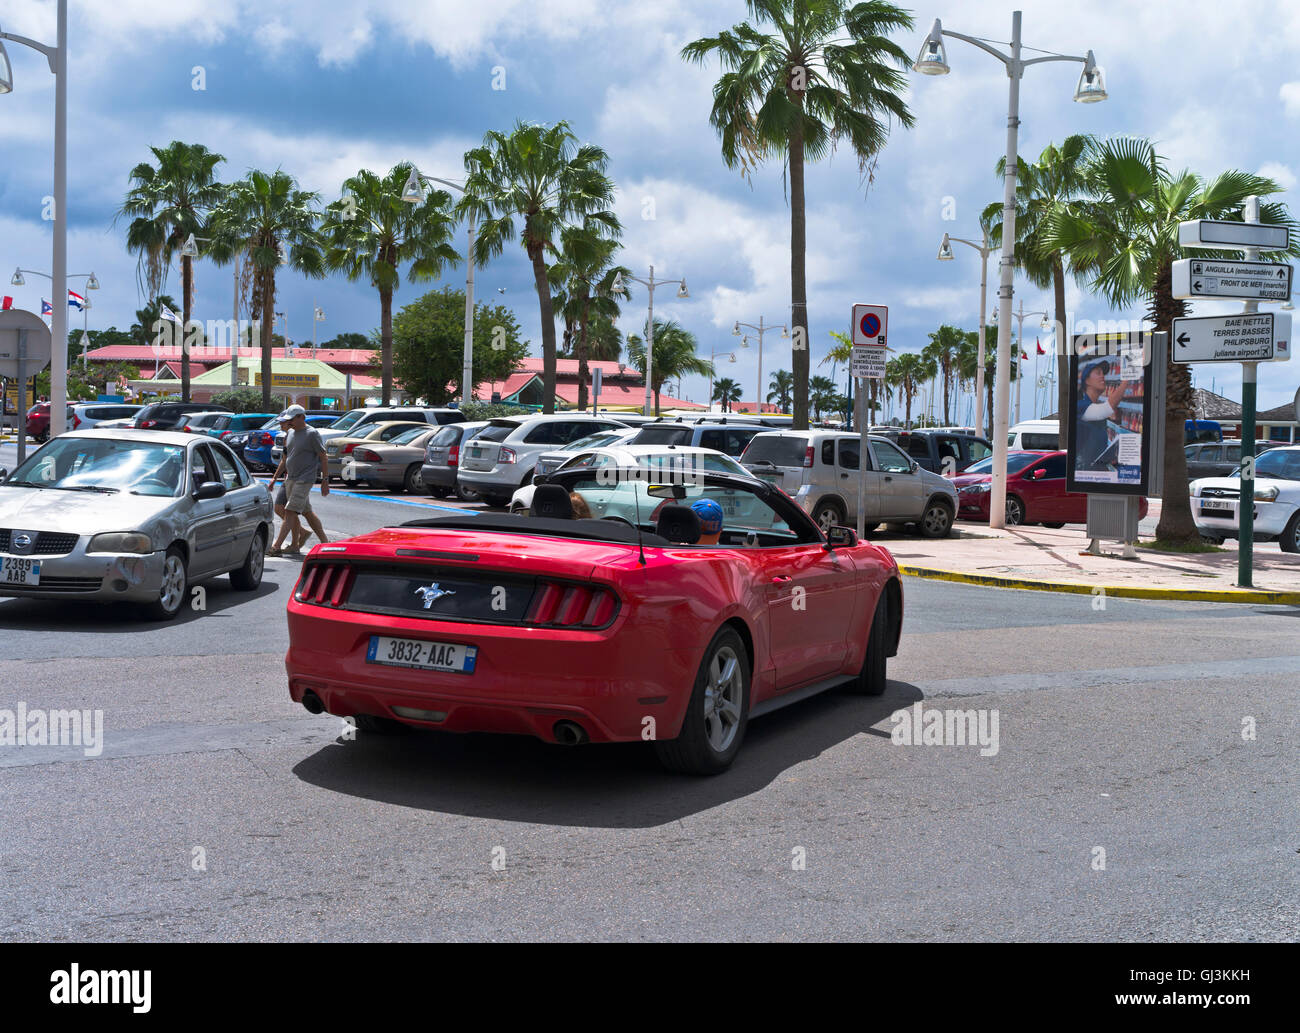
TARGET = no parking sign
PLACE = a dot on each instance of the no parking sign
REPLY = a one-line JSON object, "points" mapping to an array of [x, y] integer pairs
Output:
{"points": [[870, 323]]}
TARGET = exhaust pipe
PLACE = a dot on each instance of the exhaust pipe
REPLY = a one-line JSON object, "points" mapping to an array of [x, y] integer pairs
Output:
{"points": [[312, 702], [570, 733]]}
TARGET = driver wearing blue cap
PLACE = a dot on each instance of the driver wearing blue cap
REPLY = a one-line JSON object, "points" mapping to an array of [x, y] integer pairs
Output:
{"points": [[710, 514]]}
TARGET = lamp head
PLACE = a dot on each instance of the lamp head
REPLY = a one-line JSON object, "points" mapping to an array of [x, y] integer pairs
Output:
{"points": [[190, 249], [1046, 324], [682, 292], [945, 250], [615, 288], [735, 330], [1092, 82], [93, 283], [6, 71], [933, 58], [785, 333], [17, 279], [413, 192]]}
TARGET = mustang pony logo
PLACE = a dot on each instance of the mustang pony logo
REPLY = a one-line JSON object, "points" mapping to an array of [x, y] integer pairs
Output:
{"points": [[430, 594]]}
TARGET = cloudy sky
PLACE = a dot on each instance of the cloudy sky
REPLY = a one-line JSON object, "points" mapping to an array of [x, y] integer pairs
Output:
{"points": [[322, 88]]}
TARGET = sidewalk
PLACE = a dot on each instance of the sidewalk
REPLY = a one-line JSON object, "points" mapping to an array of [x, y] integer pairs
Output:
{"points": [[1050, 560]]}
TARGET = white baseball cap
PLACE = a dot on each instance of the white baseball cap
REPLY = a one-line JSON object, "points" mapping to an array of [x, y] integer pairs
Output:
{"points": [[292, 411]]}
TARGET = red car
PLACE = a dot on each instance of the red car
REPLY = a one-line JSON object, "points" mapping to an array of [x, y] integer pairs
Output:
{"points": [[601, 630], [1035, 491], [38, 421]]}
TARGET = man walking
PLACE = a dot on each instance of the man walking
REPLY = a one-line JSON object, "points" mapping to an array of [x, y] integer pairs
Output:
{"points": [[304, 453]]}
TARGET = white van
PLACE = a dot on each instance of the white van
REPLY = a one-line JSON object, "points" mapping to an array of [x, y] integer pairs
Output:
{"points": [[1034, 436]]}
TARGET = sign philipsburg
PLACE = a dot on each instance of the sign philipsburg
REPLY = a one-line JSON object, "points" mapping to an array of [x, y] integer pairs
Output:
{"points": [[1244, 337], [1220, 278]]}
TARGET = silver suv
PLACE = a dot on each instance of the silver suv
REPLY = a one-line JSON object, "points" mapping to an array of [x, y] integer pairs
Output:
{"points": [[501, 457], [819, 469]]}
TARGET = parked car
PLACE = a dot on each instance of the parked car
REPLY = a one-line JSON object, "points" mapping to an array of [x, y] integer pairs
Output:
{"points": [[38, 421], [1219, 458], [1035, 491], [393, 464], [553, 460], [722, 435], [166, 415], [1215, 500], [265, 445], [229, 426], [577, 630], [1034, 436], [88, 415], [354, 419], [819, 469], [198, 422], [339, 449], [130, 516], [442, 460], [944, 451], [502, 455]]}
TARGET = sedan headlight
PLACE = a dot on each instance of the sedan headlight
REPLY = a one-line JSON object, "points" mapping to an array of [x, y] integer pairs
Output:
{"points": [[128, 541], [1266, 494], [978, 489]]}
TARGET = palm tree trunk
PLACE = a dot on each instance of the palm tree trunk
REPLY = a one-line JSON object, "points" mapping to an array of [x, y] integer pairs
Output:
{"points": [[947, 383], [187, 283], [1062, 352], [268, 323], [581, 348], [907, 423], [386, 342], [1176, 521], [798, 276], [548, 326]]}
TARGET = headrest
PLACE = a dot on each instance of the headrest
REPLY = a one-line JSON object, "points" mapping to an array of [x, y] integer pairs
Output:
{"points": [[551, 500], [678, 524]]}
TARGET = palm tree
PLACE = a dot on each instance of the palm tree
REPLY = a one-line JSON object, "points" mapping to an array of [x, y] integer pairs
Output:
{"points": [[968, 364], [674, 357], [782, 385], [828, 72], [166, 204], [267, 219], [370, 233], [725, 390], [589, 285], [541, 176], [1124, 237], [942, 351], [822, 395], [907, 372], [1047, 188]]}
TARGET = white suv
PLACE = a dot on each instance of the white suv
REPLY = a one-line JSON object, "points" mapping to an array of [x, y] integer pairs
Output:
{"points": [[503, 455], [1215, 500], [819, 469]]}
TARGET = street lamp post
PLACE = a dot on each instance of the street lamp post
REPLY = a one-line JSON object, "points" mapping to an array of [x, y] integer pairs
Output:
{"points": [[713, 355], [57, 58], [650, 285], [317, 316], [1021, 315], [762, 328], [190, 249], [92, 284], [933, 60], [945, 255], [413, 193]]}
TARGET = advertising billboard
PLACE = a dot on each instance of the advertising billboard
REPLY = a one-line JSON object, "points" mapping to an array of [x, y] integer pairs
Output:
{"points": [[1111, 416]]}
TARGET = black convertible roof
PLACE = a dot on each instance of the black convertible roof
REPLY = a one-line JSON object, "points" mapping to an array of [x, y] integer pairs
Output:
{"points": [[547, 527]]}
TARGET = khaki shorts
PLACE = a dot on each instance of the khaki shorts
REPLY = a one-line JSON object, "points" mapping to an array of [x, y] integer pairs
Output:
{"points": [[299, 495]]}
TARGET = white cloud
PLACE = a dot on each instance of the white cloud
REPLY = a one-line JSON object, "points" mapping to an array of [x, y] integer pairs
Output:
{"points": [[1279, 173], [1289, 92]]}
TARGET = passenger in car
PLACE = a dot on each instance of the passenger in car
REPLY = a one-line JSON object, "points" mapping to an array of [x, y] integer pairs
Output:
{"points": [[710, 514], [581, 511]]}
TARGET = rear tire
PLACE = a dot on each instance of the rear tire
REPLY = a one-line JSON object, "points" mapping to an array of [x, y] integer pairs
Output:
{"points": [[413, 482], [1289, 541], [716, 715], [872, 679], [249, 576], [1015, 512], [828, 514]]}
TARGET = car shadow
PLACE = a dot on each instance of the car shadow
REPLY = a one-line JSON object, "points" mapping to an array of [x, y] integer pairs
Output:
{"points": [[112, 617], [517, 778]]}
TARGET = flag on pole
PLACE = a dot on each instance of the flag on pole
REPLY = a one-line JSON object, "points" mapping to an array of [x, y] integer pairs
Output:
{"points": [[1024, 357], [165, 313], [46, 308], [6, 303], [1041, 351], [76, 301]]}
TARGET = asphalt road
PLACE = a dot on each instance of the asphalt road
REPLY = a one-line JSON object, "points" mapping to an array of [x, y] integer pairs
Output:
{"points": [[218, 810]]}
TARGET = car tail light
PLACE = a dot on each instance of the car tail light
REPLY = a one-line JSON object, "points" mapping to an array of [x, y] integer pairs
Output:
{"points": [[267, 439], [506, 455], [571, 606], [325, 584], [146, 424], [348, 451], [453, 455], [365, 455], [808, 456]]}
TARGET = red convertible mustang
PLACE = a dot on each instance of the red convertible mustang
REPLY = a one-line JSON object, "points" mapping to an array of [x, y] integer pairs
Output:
{"points": [[601, 629]]}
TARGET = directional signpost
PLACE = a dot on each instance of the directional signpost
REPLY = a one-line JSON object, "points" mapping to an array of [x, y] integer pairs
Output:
{"points": [[867, 362], [1243, 281], [1249, 338]]}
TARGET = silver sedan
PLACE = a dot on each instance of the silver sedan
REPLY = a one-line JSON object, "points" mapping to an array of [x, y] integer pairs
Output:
{"points": [[130, 516]]}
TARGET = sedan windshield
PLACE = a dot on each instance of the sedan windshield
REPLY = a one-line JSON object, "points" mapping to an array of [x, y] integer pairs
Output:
{"points": [[1016, 461], [104, 465]]}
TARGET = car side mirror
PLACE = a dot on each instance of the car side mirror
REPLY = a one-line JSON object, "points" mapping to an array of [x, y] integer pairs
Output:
{"points": [[913, 466], [840, 537], [1039, 474], [209, 490], [4, 475]]}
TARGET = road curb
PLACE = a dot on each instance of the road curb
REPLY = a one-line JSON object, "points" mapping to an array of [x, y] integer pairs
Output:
{"points": [[1201, 595]]}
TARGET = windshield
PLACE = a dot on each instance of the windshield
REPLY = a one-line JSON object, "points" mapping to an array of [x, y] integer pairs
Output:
{"points": [[1283, 464], [104, 465], [1016, 461], [349, 421]]}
